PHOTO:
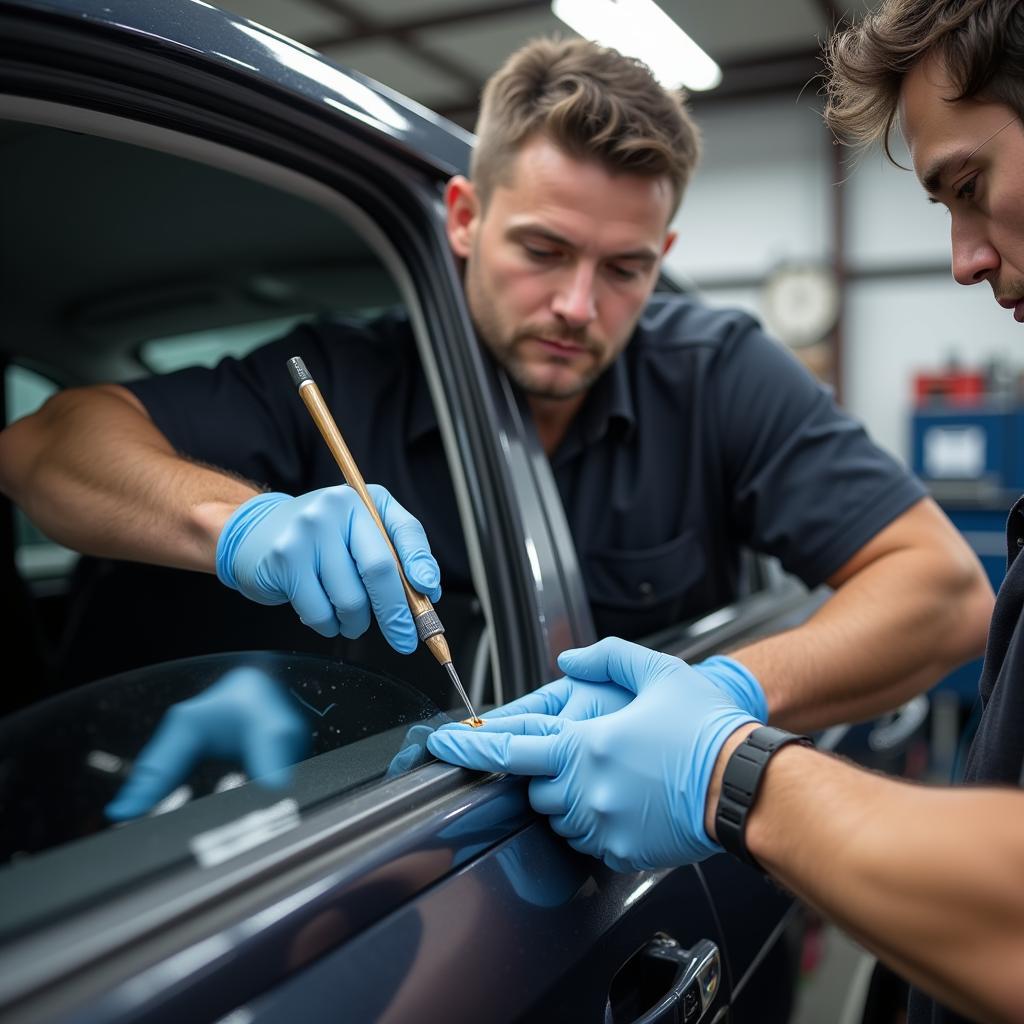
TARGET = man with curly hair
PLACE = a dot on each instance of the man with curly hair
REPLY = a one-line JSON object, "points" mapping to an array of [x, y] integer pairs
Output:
{"points": [[930, 879]]}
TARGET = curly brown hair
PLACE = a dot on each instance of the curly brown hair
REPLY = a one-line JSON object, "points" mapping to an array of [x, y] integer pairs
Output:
{"points": [[980, 42], [592, 102]]}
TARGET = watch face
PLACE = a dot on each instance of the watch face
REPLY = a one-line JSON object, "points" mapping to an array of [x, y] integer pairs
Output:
{"points": [[800, 303]]}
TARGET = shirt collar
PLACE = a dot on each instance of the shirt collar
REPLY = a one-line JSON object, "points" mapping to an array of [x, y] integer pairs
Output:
{"points": [[607, 411], [609, 402]]}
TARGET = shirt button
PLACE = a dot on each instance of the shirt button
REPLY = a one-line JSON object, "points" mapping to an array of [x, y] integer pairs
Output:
{"points": [[1020, 542], [646, 591]]}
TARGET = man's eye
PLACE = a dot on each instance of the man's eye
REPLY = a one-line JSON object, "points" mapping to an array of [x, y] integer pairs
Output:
{"points": [[968, 189], [540, 255], [623, 273]]}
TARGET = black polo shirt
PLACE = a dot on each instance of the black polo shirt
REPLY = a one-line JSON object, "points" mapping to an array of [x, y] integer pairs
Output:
{"points": [[996, 756], [703, 437]]}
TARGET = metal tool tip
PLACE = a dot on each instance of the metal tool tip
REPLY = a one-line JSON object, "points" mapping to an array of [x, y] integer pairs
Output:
{"points": [[462, 692]]}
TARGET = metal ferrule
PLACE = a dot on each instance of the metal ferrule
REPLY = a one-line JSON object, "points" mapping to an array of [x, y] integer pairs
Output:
{"points": [[428, 624]]}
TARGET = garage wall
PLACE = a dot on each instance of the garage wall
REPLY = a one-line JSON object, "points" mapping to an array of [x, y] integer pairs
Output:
{"points": [[762, 195], [758, 196]]}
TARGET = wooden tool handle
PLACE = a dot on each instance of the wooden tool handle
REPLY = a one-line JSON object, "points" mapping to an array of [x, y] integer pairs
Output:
{"points": [[428, 625], [314, 401]]}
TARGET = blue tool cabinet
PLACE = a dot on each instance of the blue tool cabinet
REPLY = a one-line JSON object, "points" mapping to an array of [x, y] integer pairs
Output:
{"points": [[972, 460]]}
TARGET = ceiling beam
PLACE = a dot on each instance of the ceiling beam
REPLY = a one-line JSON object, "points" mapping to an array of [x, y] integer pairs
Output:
{"points": [[833, 14], [364, 28], [764, 74], [743, 78]]}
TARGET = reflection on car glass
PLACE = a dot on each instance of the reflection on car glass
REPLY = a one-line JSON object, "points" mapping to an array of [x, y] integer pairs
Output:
{"points": [[157, 738]]}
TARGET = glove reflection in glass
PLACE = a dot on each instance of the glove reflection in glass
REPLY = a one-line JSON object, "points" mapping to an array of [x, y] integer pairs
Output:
{"points": [[414, 746], [245, 717], [628, 787], [323, 553]]}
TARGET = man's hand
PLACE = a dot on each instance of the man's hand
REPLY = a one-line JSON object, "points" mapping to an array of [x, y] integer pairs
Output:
{"points": [[738, 682], [568, 698], [244, 717], [323, 553], [629, 787]]}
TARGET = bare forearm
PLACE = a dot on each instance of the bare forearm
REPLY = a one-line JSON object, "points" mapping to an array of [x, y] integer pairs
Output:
{"points": [[863, 654], [93, 472], [929, 879], [893, 627]]}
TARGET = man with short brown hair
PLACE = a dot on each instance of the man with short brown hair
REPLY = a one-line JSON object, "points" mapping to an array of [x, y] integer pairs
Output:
{"points": [[595, 103], [931, 880]]}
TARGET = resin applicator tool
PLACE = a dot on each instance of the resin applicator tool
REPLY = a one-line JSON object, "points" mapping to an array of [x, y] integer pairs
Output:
{"points": [[428, 625]]}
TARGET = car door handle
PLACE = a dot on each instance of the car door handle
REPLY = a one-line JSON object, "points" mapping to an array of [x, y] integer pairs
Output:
{"points": [[664, 983]]}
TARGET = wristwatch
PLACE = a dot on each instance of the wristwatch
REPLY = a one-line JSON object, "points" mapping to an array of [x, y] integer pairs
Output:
{"points": [[740, 783]]}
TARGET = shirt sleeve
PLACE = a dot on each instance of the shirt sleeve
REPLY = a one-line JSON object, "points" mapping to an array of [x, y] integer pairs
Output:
{"points": [[807, 483], [244, 415]]}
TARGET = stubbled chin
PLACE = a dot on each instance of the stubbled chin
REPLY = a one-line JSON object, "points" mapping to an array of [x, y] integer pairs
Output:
{"points": [[550, 381]]}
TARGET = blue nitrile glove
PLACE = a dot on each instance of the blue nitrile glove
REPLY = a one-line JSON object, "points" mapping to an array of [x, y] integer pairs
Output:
{"points": [[628, 787], [244, 717], [570, 698], [565, 697], [323, 552], [738, 681]]}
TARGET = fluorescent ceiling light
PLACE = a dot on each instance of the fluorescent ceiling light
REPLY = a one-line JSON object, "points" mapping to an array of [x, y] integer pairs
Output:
{"points": [[640, 28]]}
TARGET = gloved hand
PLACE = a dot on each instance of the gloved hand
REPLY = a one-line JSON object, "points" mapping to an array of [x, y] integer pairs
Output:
{"points": [[569, 698], [323, 552], [245, 717], [565, 697], [629, 787], [738, 682]]}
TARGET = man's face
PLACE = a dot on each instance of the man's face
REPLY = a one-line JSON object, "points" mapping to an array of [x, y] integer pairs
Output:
{"points": [[559, 265], [969, 155]]}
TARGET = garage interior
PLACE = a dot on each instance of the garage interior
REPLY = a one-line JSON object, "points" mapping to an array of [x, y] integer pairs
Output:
{"points": [[775, 197], [781, 221]]}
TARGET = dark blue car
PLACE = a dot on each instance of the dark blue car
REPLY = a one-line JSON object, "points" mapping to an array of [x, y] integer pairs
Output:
{"points": [[178, 185]]}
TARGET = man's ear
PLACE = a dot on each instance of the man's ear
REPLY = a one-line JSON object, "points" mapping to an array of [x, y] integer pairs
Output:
{"points": [[463, 214]]}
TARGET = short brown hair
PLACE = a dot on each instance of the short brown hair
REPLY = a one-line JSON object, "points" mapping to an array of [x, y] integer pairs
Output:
{"points": [[593, 103], [980, 42]]}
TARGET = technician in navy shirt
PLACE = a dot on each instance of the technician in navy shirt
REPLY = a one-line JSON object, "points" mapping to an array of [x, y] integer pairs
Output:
{"points": [[676, 434], [704, 436]]}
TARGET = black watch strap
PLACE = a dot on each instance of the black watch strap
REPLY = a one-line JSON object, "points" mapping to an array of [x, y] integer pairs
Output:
{"points": [[740, 783]]}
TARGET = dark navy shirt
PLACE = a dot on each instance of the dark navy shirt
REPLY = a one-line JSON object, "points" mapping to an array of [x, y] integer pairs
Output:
{"points": [[704, 436], [996, 756]]}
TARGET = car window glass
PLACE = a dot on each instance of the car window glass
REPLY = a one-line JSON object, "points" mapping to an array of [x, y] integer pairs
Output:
{"points": [[207, 348], [37, 556], [237, 263], [73, 754]]}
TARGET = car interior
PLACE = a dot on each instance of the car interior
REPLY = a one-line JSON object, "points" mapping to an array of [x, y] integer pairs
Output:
{"points": [[149, 263]]}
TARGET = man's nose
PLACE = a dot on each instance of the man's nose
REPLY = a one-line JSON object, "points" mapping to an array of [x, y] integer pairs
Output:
{"points": [[974, 257], [575, 301]]}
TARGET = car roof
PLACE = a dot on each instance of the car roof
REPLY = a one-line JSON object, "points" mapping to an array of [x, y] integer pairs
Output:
{"points": [[243, 48]]}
